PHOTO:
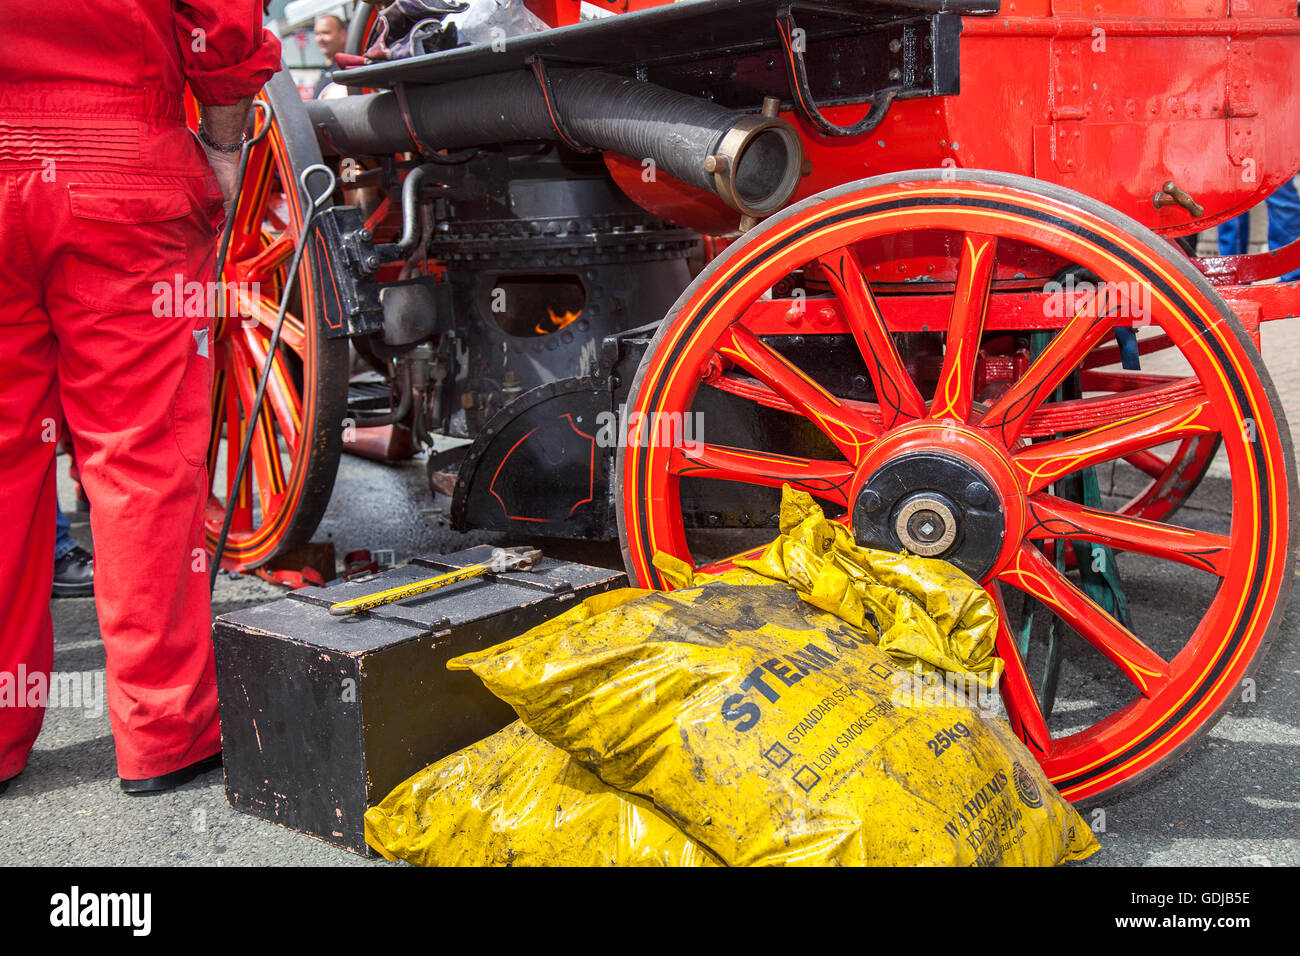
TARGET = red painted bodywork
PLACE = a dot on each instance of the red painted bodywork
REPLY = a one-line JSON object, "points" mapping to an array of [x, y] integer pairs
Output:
{"points": [[1112, 99]]}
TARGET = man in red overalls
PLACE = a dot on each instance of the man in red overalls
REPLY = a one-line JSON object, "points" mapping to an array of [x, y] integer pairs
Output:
{"points": [[104, 193]]}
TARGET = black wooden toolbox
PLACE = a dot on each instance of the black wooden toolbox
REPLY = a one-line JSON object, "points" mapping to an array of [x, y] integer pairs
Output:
{"points": [[322, 716]]}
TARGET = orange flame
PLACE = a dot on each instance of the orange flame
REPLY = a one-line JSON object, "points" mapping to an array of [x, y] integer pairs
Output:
{"points": [[557, 321]]}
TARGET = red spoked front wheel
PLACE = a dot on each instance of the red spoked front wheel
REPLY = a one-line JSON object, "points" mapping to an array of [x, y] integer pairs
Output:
{"points": [[935, 464], [298, 435]]}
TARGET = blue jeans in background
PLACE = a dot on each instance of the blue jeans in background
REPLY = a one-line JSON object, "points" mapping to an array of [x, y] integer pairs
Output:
{"points": [[63, 539], [1283, 226]]}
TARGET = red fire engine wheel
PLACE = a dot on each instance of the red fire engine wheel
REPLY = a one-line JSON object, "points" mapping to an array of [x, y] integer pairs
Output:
{"points": [[1168, 697], [298, 436]]}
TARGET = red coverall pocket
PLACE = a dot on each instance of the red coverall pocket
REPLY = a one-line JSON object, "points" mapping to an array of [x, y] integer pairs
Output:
{"points": [[132, 239], [191, 412]]}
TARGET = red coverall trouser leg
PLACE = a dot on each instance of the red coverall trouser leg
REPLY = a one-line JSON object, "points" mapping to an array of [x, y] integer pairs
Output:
{"points": [[91, 330]]}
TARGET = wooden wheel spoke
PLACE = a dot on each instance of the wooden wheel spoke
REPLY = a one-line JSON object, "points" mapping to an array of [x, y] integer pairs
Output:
{"points": [[956, 388], [268, 467], [753, 391], [1039, 465], [899, 399], [1023, 710], [262, 311], [1032, 573], [264, 266], [240, 499], [251, 210], [281, 393], [1007, 416], [1075, 414], [851, 432], [267, 470], [1147, 462], [1057, 518], [1091, 381], [828, 480]]}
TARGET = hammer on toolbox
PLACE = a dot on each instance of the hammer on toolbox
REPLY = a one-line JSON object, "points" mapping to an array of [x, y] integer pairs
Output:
{"points": [[500, 561]]}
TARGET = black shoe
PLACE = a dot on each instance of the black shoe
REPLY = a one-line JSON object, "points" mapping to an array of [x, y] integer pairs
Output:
{"points": [[170, 781], [74, 574], [4, 784]]}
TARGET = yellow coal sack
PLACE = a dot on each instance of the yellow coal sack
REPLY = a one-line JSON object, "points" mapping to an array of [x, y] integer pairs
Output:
{"points": [[773, 732], [515, 800], [928, 613]]}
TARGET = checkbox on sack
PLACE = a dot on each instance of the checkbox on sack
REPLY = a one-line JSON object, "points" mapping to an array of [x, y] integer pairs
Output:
{"points": [[777, 755], [807, 778]]}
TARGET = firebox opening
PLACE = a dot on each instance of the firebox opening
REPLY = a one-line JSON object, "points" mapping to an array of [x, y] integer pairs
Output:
{"points": [[527, 306]]}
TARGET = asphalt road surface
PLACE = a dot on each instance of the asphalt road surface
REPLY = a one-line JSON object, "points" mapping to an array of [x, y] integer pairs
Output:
{"points": [[1233, 800]]}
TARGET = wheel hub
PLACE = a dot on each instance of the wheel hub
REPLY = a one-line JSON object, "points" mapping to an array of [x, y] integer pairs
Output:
{"points": [[933, 505], [926, 524]]}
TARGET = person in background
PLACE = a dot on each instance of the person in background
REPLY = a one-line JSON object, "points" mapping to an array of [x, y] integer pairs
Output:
{"points": [[1283, 208], [331, 37], [74, 566]]}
